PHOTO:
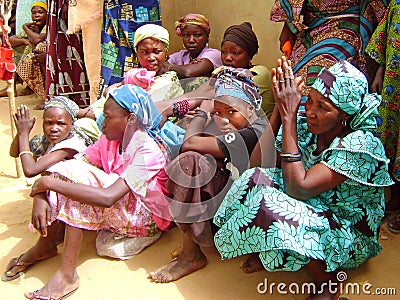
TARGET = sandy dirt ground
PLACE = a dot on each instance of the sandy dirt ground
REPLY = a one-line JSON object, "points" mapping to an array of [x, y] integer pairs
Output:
{"points": [[108, 279]]}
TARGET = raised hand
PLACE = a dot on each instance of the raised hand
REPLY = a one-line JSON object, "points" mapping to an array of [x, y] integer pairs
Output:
{"points": [[23, 121]]}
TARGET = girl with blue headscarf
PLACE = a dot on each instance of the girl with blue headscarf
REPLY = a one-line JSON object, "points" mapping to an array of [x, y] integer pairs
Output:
{"points": [[321, 207], [217, 144], [117, 186]]}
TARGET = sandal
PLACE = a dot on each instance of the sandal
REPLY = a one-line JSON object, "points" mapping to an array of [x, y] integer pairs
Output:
{"points": [[15, 262], [393, 224], [36, 296]]}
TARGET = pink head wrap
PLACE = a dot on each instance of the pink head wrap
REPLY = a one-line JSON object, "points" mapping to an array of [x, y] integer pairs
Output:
{"points": [[192, 19]]}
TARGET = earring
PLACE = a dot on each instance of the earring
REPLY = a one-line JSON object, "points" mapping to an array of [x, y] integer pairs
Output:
{"points": [[132, 119], [344, 123]]}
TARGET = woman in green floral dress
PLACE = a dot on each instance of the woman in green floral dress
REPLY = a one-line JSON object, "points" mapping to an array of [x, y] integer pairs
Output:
{"points": [[322, 206], [384, 47]]}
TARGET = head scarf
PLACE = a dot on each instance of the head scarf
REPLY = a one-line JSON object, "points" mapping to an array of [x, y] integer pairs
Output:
{"points": [[243, 36], [347, 88], [135, 100], [140, 76], [238, 83], [151, 31], [40, 4], [192, 19], [63, 102]]}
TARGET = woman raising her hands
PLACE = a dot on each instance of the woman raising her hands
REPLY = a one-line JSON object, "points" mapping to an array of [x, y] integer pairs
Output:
{"points": [[322, 206]]}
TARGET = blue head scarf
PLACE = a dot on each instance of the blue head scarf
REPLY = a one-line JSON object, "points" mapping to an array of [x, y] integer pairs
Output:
{"points": [[238, 83], [137, 101], [347, 88]]}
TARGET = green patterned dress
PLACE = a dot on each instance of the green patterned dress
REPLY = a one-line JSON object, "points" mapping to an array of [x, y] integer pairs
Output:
{"points": [[339, 226]]}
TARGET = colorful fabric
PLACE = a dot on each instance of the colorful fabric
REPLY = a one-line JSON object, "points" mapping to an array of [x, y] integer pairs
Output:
{"points": [[151, 31], [41, 4], [237, 83], [329, 33], [244, 36], [339, 226], [65, 69], [347, 88], [63, 102], [83, 12], [140, 77], [141, 166], [384, 48], [121, 19], [192, 19]]}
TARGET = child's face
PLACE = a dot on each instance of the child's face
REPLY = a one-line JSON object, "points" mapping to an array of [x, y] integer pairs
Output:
{"points": [[151, 54], [57, 124], [233, 116], [39, 16], [194, 39], [115, 120], [232, 55]]}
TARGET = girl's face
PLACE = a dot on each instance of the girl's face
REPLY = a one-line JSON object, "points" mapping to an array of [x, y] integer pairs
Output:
{"points": [[232, 55], [233, 116], [194, 38], [115, 120], [151, 54], [322, 115], [57, 124], [39, 16]]}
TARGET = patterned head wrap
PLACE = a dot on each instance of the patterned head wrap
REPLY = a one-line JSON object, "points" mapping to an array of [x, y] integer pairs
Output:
{"points": [[63, 102], [192, 19], [238, 83], [347, 88], [140, 76], [41, 4], [135, 100], [151, 31], [243, 36]]}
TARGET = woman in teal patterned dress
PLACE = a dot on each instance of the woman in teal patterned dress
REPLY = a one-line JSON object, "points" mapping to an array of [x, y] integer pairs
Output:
{"points": [[322, 206], [384, 48]]}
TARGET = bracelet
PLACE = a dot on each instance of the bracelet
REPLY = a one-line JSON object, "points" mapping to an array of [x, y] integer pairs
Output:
{"points": [[201, 113], [25, 152], [291, 158], [181, 108], [290, 154], [84, 115]]}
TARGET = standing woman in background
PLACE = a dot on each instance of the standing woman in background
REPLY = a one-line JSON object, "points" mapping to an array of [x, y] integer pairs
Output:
{"points": [[328, 32]]}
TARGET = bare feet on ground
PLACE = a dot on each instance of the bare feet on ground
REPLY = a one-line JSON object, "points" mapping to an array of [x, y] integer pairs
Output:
{"points": [[178, 268], [26, 91], [60, 285], [252, 264]]}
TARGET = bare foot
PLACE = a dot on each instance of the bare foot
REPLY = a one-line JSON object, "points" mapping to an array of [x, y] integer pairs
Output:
{"points": [[175, 253], [26, 91], [178, 268], [60, 286], [252, 264], [32, 256]]}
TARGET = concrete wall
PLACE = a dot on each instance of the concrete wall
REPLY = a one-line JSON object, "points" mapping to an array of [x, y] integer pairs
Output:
{"points": [[222, 14]]}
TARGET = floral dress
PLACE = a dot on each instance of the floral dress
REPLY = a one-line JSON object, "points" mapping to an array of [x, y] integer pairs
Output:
{"points": [[339, 226], [384, 48]]}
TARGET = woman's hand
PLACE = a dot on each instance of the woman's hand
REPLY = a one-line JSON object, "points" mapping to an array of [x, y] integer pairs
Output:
{"points": [[41, 185], [22, 120], [39, 59], [377, 84], [287, 89], [41, 214]]}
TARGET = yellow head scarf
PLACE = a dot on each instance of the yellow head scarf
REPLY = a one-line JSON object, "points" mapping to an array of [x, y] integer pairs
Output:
{"points": [[40, 4], [151, 31]]}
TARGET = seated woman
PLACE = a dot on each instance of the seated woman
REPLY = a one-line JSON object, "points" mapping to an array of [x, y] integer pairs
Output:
{"points": [[322, 206], [122, 179], [61, 140], [198, 59], [30, 51], [200, 176]]}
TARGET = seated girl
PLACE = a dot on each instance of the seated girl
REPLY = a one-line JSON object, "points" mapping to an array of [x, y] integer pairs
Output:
{"points": [[322, 206], [122, 179], [200, 176], [198, 59], [30, 51], [60, 141]]}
